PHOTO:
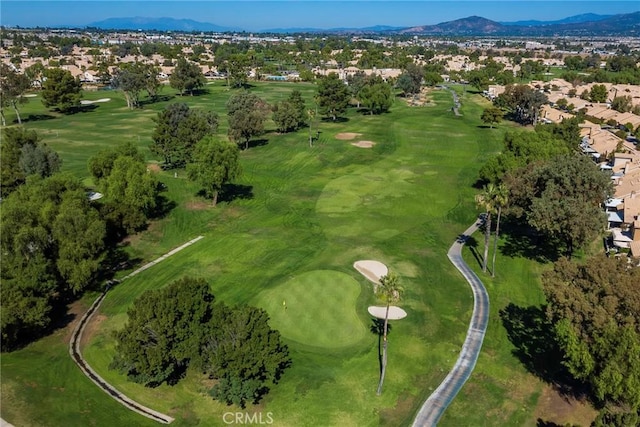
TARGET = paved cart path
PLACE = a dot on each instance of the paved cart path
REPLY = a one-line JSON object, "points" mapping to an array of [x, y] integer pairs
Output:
{"points": [[76, 355], [437, 403]]}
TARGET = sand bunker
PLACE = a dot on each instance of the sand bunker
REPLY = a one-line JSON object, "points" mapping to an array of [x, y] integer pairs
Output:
{"points": [[346, 136], [364, 144], [395, 313], [87, 102], [372, 270], [29, 95]]}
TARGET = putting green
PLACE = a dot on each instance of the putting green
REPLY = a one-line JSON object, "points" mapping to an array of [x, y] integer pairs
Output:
{"points": [[320, 309]]}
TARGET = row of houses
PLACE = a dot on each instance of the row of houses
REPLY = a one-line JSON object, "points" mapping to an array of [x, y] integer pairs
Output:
{"points": [[616, 156]]}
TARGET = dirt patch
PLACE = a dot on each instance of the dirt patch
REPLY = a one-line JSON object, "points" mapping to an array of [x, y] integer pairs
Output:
{"points": [[154, 167], [421, 99], [198, 205], [347, 136], [559, 409], [364, 144], [91, 328], [75, 309]]}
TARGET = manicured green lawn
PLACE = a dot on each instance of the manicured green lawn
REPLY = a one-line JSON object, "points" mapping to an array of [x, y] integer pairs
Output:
{"points": [[306, 215]]}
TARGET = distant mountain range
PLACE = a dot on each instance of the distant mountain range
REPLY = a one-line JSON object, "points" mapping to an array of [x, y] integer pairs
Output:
{"points": [[579, 25], [614, 25], [159, 24], [585, 17]]}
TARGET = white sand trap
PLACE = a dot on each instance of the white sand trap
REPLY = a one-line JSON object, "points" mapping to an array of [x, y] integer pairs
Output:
{"points": [[395, 313], [372, 270], [87, 102], [29, 95], [364, 144], [346, 136]]}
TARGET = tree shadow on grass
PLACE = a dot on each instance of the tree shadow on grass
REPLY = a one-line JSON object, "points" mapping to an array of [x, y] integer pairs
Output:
{"points": [[377, 328], [87, 108], [519, 240], [156, 99], [231, 192], [256, 143], [36, 118], [472, 244], [531, 332]]}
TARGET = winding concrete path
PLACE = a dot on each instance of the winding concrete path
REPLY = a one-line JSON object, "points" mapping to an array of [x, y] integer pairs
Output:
{"points": [[76, 355], [437, 403]]}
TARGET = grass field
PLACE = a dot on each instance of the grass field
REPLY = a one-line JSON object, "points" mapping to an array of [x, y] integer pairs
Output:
{"points": [[305, 216]]}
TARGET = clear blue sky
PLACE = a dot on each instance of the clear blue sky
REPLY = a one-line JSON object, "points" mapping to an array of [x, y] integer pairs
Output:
{"points": [[255, 15]]}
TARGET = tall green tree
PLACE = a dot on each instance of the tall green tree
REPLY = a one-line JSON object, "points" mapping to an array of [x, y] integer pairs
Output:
{"points": [[390, 291], [501, 200], [130, 80], [376, 95], [333, 96], [61, 90], [238, 70], [596, 311], [247, 113], [21, 155], [522, 148], [522, 102], [244, 354], [215, 162], [487, 202], [164, 332], [130, 194], [13, 86], [290, 114], [187, 77], [133, 78], [52, 242], [491, 116], [561, 198], [598, 93], [178, 129]]}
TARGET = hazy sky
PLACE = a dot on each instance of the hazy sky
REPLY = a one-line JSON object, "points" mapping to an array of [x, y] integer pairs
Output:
{"points": [[254, 15]]}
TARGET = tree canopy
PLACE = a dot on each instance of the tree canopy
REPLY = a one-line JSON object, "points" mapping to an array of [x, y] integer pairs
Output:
{"points": [[131, 193], [522, 102], [21, 155], [290, 114], [134, 78], [596, 312], [52, 242], [215, 162], [376, 95], [12, 86], [561, 198], [187, 77], [247, 113], [520, 149], [61, 90], [333, 96], [178, 129]]}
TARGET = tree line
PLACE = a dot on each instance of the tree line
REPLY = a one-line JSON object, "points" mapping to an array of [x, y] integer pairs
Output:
{"points": [[551, 197]]}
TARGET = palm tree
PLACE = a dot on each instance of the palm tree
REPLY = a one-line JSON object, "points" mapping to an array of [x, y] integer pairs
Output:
{"points": [[501, 199], [486, 201], [389, 289]]}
